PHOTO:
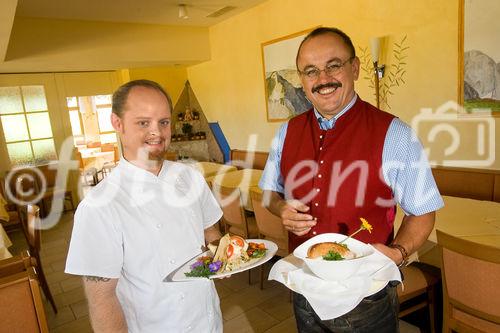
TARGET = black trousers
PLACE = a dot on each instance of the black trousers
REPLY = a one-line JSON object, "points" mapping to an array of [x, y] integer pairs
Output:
{"points": [[377, 313]]}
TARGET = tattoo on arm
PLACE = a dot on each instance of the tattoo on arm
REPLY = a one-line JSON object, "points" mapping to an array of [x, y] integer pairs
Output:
{"points": [[96, 278]]}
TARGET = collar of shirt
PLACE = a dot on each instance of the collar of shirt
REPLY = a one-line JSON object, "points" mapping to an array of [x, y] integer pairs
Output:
{"points": [[140, 174], [326, 124]]}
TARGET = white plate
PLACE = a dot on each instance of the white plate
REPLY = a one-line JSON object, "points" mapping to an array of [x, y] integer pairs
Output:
{"points": [[180, 276]]}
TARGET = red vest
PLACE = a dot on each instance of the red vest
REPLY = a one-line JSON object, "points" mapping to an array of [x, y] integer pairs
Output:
{"points": [[337, 197]]}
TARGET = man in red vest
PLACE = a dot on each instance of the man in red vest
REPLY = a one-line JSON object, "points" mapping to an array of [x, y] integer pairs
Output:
{"points": [[342, 160]]}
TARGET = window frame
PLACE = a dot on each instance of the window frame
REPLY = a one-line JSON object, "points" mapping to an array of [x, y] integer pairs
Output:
{"points": [[25, 114]]}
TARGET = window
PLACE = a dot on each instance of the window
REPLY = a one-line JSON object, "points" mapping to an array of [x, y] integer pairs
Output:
{"points": [[90, 118], [106, 130], [26, 125], [75, 120]]}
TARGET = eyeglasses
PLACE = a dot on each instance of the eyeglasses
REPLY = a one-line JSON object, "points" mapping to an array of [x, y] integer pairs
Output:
{"points": [[330, 69]]}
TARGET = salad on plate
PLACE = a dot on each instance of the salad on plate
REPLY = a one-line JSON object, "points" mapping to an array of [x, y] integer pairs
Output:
{"points": [[231, 253]]}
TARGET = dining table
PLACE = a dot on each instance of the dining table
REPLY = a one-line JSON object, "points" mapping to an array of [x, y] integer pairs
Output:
{"points": [[474, 220], [210, 169], [244, 180], [5, 243]]}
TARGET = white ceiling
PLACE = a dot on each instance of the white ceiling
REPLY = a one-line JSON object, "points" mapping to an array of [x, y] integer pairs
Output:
{"points": [[134, 11]]}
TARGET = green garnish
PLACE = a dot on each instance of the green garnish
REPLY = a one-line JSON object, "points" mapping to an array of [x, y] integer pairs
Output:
{"points": [[200, 271], [204, 267], [332, 255], [258, 253]]}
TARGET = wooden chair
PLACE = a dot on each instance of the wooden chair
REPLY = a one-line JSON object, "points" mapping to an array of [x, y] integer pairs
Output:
{"points": [[107, 147], [94, 144], [171, 156], [269, 227], [15, 264], [14, 221], [420, 284], [245, 159], [235, 220], [87, 172], [471, 280], [51, 191], [22, 184], [31, 220], [108, 166], [21, 306]]}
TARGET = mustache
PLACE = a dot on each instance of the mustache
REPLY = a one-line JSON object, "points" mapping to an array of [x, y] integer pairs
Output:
{"points": [[326, 85]]}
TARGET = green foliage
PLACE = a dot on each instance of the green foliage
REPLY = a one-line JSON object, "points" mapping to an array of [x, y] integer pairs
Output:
{"points": [[187, 128], [394, 73]]}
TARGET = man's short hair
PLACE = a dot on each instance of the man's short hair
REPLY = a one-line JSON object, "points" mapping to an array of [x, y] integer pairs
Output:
{"points": [[121, 94], [323, 31]]}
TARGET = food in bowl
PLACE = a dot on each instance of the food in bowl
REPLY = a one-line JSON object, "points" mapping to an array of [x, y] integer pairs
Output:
{"points": [[330, 251], [334, 270]]}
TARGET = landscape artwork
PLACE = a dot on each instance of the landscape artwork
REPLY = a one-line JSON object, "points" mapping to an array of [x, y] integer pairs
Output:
{"points": [[283, 90], [480, 68]]}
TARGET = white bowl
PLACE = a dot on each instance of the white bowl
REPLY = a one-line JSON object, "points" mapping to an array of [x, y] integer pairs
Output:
{"points": [[336, 269]]}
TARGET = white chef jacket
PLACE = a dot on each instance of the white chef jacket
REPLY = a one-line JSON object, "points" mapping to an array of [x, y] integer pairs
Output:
{"points": [[139, 227]]}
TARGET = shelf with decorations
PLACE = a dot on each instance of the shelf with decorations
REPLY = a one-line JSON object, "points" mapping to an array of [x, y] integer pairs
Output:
{"points": [[191, 134]]}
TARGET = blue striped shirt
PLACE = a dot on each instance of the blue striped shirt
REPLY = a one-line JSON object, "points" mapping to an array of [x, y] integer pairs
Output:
{"points": [[405, 166]]}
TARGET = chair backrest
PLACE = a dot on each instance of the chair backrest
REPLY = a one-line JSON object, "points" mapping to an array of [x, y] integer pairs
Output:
{"points": [[256, 159], [270, 226], [30, 217], [94, 144], [22, 184], [471, 280], [171, 155], [80, 159], [117, 153], [107, 147], [21, 306], [49, 172], [230, 201], [15, 264]]}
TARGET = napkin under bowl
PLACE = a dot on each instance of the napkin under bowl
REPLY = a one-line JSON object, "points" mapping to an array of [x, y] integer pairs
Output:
{"points": [[334, 270]]}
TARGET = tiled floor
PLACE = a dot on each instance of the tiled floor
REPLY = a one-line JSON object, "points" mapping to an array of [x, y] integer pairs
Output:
{"points": [[245, 307]]}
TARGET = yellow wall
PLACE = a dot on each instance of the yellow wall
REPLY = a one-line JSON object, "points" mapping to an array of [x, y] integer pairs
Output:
{"points": [[172, 79], [230, 87]]}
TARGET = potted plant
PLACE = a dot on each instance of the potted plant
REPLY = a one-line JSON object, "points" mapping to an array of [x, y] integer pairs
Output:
{"points": [[187, 129]]}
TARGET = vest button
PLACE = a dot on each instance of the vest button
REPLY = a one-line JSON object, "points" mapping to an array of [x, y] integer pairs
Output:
{"points": [[317, 190], [321, 162], [321, 136], [314, 232], [316, 204], [319, 176], [320, 148]]}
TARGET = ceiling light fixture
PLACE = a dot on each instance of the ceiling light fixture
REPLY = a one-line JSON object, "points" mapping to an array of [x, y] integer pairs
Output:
{"points": [[183, 11]]}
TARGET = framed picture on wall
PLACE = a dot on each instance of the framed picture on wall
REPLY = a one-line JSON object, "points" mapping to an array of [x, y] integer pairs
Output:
{"points": [[479, 56], [283, 90]]}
